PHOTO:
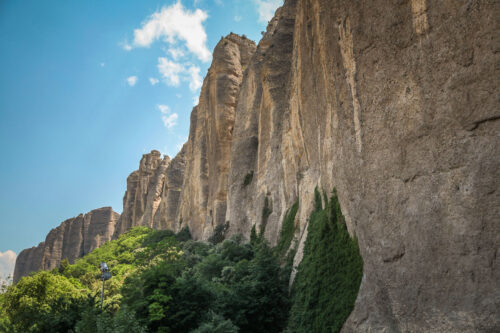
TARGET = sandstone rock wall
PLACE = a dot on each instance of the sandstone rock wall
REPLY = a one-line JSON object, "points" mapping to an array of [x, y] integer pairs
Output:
{"points": [[71, 240], [257, 151], [396, 105], [204, 192], [144, 190]]}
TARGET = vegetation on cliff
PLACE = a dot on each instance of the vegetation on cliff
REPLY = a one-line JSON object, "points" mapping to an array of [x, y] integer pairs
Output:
{"points": [[166, 282], [329, 276]]}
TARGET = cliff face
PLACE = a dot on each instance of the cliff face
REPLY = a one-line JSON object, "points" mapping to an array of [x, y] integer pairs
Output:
{"points": [[73, 239], [396, 106], [144, 192], [204, 191]]}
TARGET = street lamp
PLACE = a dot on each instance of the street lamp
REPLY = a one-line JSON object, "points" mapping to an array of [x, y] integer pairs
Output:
{"points": [[106, 275]]}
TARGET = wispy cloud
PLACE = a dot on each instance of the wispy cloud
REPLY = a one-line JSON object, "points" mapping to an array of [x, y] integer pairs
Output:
{"points": [[163, 108], [172, 24], [170, 71], [237, 18], [132, 80], [266, 9], [196, 100], [102, 64], [153, 81], [176, 53], [173, 73], [169, 119], [7, 263]]}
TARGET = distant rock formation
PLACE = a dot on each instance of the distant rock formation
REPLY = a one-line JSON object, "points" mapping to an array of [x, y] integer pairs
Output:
{"points": [[71, 240], [191, 190]]}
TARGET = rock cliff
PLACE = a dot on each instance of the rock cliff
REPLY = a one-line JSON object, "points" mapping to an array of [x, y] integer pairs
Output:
{"points": [[191, 190], [204, 191], [71, 240], [395, 104]]}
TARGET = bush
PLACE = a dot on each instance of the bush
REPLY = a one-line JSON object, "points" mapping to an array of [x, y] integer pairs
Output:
{"points": [[287, 230], [267, 210], [329, 276], [248, 179]]}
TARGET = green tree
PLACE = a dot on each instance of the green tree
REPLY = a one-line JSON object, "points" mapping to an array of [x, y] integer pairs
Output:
{"points": [[43, 302]]}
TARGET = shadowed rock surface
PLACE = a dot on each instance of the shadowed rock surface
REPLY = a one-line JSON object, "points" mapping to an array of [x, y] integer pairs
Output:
{"points": [[73, 239]]}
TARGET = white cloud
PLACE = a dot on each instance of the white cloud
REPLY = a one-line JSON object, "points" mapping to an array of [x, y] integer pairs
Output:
{"points": [[153, 81], [170, 71], [173, 73], [196, 100], [237, 18], [169, 120], [163, 108], [266, 9], [7, 263], [126, 46], [102, 64], [172, 24], [195, 81], [176, 53], [132, 80]]}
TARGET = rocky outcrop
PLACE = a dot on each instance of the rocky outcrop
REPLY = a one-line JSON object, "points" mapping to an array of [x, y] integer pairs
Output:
{"points": [[144, 192], [204, 191], [71, 240], [166, 214]]}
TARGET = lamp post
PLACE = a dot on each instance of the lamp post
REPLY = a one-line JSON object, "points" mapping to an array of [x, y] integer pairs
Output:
{"points": [[106, 275]]}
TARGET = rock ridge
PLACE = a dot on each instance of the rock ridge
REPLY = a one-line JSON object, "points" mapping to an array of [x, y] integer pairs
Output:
{"points": [[71, 240]]}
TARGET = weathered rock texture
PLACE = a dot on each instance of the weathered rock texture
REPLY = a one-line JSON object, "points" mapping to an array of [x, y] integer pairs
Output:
{"points": [[394, 103], [71, 240], [397, 106], [204, 191], [191, 190]]}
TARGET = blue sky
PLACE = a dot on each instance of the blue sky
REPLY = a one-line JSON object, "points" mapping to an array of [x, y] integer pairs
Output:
{"points": [[87, 87]]}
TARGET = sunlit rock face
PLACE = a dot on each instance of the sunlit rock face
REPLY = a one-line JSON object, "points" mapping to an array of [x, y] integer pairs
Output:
{"points": [[143, 195], [204, 192], [71, 240]]}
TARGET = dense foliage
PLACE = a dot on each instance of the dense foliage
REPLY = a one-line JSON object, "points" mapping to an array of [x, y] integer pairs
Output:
{"points": [[166, 282], [161, 283], [329, 275]]}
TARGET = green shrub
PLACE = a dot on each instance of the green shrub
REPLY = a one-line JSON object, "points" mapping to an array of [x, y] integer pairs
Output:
{"points": [[287, 230], [329, 276], [267, 210], [248, 179], [219, 234]]}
